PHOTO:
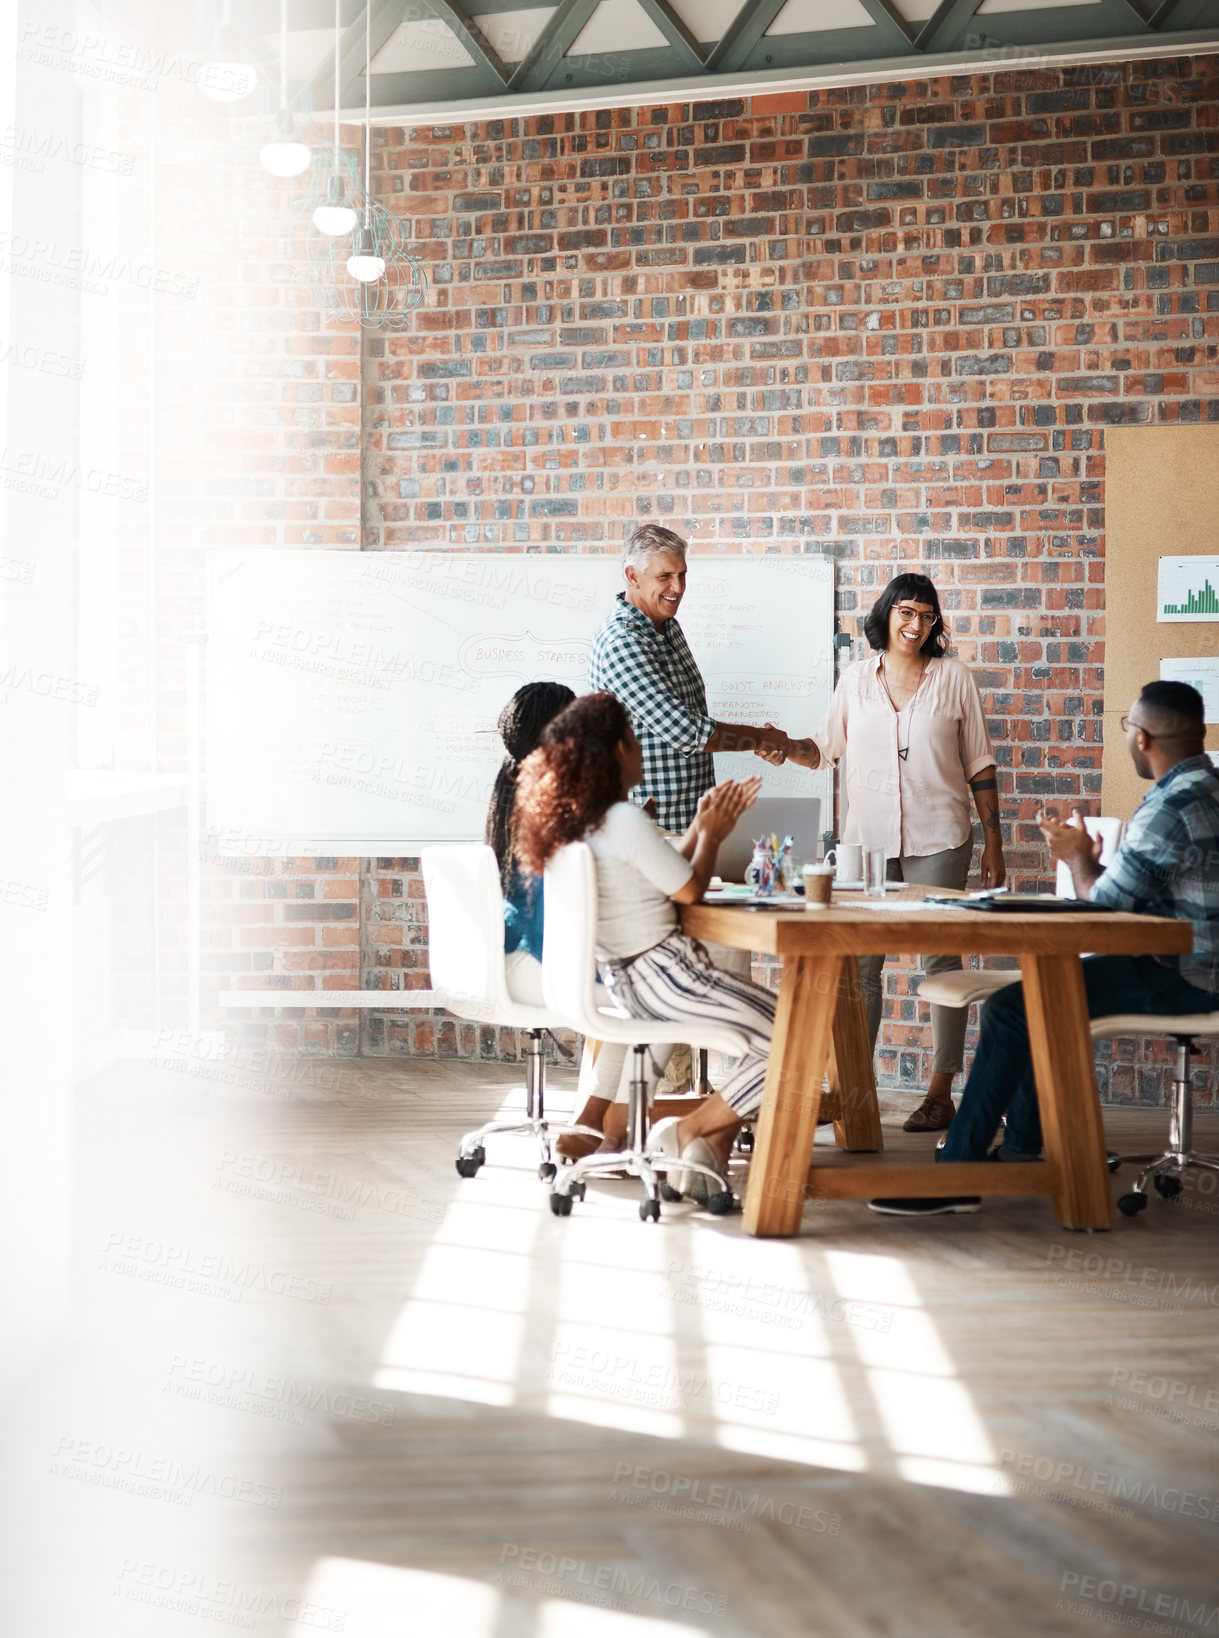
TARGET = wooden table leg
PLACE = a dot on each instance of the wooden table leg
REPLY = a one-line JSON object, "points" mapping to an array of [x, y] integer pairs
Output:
{"points": [[787, 1120], [852, 1076], [1065, 1070]]}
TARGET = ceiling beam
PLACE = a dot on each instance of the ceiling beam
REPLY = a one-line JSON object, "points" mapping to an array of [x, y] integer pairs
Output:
{"points": [[423, 105], [1138, 9], [945, 25], [743, 33], [386, 16], [550, 47], [688, 48], [475, 41], [894, 29]]}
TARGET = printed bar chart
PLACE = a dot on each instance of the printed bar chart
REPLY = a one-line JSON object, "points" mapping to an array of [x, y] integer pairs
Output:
{"points": [[1188, 589]]}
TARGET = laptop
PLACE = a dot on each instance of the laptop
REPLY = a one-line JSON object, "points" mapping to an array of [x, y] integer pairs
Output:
{"points": [[796, 816]]}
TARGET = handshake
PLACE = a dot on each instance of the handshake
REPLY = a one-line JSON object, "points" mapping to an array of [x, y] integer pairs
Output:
{"points": [[770, 743], [779, 748]]}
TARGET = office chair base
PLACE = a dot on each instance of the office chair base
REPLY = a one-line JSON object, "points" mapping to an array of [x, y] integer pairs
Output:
{"points": [[471, 1153], [1166, 1171], [638, 1163], [634, 1159]]}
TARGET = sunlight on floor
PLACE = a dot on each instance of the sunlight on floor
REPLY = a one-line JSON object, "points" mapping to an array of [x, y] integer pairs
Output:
{"points": [[613, 1361], [765, 1347], [386, 1601], [460, 1334], [929, 1418]]}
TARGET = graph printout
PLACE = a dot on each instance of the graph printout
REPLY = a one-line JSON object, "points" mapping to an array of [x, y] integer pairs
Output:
{"points": [[1200, 672], [1188, 589]]}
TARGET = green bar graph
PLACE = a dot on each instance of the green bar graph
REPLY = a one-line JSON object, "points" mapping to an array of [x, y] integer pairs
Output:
{"points": [[1205, 601], [1186, 587]]}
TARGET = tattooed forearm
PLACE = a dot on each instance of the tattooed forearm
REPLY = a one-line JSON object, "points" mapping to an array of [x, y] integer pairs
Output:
{"points": [[986, 800]]}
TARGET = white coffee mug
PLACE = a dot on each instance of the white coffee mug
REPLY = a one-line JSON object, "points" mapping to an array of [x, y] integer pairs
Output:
{"points": [[848, 857]]}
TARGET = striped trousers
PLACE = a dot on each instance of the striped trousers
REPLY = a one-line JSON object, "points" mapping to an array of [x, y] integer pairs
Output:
{"points": [[676, 980]]}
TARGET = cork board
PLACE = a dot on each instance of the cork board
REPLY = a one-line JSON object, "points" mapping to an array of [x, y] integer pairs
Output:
{"points": [[1161, 499]]}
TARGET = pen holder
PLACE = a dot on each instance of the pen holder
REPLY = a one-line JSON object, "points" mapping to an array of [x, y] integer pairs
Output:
{"points": [[767, 872]]}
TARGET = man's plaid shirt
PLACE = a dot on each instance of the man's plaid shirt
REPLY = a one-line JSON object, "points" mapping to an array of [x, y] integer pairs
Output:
{"points": [[1168, 865], [654, 675]]}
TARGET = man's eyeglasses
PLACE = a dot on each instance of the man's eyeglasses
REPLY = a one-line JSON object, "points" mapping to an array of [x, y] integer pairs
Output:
{"points": [[1127, 723]]}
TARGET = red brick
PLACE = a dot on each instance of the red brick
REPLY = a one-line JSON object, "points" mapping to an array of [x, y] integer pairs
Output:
{"points": [[827, 293]]}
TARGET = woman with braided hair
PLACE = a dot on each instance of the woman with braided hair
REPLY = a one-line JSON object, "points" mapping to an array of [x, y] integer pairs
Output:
{"points": [[520, 727]]}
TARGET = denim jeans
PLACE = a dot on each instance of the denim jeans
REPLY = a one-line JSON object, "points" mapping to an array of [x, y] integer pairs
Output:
{"points": [[1001, 1080]]}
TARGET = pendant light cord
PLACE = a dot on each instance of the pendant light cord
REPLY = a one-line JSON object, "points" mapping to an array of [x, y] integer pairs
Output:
{"points": [[367, 113], [338, 28], [283, 55]]}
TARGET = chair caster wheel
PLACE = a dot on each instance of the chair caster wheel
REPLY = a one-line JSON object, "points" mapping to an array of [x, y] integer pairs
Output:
{"points": [[467, 1165], [560, 1204], [650, 1208], [1168, 1186], [1130, 1205], [579, 1190], [720, 1203], [669, 1193], [744, 1143], [1114, 1163], [547, 1171]]}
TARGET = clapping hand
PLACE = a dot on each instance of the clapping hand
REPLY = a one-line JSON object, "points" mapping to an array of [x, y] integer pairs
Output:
{"points": [[721, 807]]}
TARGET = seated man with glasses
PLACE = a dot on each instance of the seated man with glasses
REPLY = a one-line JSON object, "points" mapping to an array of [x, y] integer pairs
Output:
{"points": [[1167, 865]]}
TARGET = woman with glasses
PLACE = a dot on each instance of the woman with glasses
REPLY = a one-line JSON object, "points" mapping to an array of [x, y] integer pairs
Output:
{"points": [[908, 728]]}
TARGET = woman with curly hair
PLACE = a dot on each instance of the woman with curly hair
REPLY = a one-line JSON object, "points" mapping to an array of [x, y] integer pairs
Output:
{"points": [[604, 1074], [574, 787]]}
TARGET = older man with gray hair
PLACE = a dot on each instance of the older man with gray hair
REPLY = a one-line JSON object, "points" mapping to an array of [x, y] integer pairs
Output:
{"points": [[641, 657]]}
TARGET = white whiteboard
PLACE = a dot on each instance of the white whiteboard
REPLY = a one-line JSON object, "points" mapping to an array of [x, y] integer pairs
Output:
{"points": [[353, 695]]}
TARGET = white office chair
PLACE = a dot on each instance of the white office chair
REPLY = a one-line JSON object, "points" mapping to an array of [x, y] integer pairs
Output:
{"points": [[963, 988], [569, 982], [1167, 1169], [466, 958]]}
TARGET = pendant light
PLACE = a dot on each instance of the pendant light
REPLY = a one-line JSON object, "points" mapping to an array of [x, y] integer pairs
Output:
{"points": [[286, 154], [335, 216], [227, 75], [366, 264]]}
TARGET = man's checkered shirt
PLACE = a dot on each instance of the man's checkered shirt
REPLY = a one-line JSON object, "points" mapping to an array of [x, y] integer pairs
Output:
{"points": [[654, 675], [1168, 865]]}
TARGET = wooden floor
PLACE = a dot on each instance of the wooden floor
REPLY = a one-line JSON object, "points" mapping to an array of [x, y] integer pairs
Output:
{"points": [[318, 1383]]}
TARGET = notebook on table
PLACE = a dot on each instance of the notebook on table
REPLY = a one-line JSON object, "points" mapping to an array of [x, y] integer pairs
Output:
{"points": [[1020, 903]]}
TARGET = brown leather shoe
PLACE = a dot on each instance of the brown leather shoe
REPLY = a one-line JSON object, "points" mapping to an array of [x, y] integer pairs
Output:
{"points": [[932, 1115]]}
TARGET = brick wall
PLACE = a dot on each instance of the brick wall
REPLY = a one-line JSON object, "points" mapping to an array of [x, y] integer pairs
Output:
{"points": [[887, 323]]}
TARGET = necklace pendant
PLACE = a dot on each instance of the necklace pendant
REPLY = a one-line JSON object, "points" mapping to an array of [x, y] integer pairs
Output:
{"points": [[903, 751]]}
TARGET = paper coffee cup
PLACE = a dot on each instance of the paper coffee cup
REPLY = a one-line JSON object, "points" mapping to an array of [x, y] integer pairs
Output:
{"points": [[818, 886]]}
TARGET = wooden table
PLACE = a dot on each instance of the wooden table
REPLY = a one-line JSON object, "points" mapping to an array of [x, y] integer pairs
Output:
{"points": [[821, 1028]]}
